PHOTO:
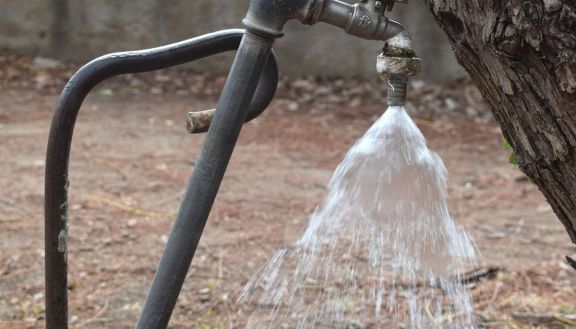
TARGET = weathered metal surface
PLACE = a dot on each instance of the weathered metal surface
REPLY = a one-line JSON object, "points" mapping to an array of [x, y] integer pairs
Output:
{"points": [[364, 19], [198, 122], [398, 58], [264, 22], [396, 64], [58, 153], [205, 182]]}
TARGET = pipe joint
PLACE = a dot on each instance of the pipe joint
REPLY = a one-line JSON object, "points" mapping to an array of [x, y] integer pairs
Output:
{"points": [[268, 17], [363, 20]]}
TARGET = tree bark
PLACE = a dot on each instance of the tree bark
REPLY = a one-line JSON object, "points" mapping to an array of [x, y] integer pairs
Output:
{"points": [[522, 56]]}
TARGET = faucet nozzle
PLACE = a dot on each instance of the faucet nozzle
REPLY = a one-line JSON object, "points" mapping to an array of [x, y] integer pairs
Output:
{"points": [[396, 64]]}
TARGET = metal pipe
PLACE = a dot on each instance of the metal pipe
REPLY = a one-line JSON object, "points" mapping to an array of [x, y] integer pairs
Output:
{"points": [[205, 182], [397, 63], [397, 88], [337, 13], [359, 19], [362, 19], [60, 138], [265, 20]]}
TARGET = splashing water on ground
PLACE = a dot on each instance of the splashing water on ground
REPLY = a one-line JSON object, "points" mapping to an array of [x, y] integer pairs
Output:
{"points": [[382, 250]]}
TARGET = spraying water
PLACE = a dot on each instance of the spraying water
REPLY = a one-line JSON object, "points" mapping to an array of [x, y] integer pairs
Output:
{"points": [[381, 252]]}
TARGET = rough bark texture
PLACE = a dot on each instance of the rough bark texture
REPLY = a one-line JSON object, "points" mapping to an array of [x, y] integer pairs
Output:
{"points": [[522, 56]]}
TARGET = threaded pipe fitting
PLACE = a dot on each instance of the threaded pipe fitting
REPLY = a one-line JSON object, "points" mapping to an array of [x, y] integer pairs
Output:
{"points": [[396, 64], [397, 87]]}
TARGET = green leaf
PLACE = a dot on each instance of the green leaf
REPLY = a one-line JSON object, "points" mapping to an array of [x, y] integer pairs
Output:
{"points": [[211, 283], [513, 160], [106, 92]]}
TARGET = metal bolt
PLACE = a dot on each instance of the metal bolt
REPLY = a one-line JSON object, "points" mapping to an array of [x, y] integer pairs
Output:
{"points": [[364, 21], [378, 4]]}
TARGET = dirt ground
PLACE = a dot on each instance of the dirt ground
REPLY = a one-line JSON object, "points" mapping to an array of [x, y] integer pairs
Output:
{"points": [[132, 157]]}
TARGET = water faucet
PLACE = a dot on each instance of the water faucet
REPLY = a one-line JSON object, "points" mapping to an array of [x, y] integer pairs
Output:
{"points": [[264, 23], [365, 19], [248, 90], [267, 18]]}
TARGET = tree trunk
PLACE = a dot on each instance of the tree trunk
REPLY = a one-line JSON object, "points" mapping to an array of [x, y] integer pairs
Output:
{"points": [[522, 56]]}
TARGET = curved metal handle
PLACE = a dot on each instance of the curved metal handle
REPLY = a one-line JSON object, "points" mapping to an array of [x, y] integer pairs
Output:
{"points": [[199, 122], [62, 128]]}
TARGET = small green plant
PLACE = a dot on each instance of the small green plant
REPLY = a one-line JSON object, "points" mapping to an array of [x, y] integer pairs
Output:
{"points": [[211, 319], [512, 159], [211, 284]]}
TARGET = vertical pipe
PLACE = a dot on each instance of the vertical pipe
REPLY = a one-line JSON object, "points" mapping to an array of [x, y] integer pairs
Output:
{"points": [[397, 88], [205, 181]]}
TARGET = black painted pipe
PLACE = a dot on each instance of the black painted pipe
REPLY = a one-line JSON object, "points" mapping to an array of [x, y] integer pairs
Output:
{"points": [[205, 182], [61, 131]]}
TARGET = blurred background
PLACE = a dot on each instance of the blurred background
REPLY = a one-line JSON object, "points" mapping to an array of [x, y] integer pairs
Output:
{"points": [[132, 157], [80, 30]]}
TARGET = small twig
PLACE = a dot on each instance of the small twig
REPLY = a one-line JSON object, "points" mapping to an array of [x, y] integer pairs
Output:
{"points": [[513, 325], [543, 318], [439, 321], [132, 210], [565, 320], [527, 279], [497, 287], [14, 205], [228, 312], [424, 122], [96, 316], [220, 264], [429, 313], [204, 276], [13, 219], [477, 275], [118, 169], [165, 201]]}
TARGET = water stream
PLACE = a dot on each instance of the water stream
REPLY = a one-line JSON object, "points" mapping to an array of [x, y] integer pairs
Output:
{"points": [[380, 252]]}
